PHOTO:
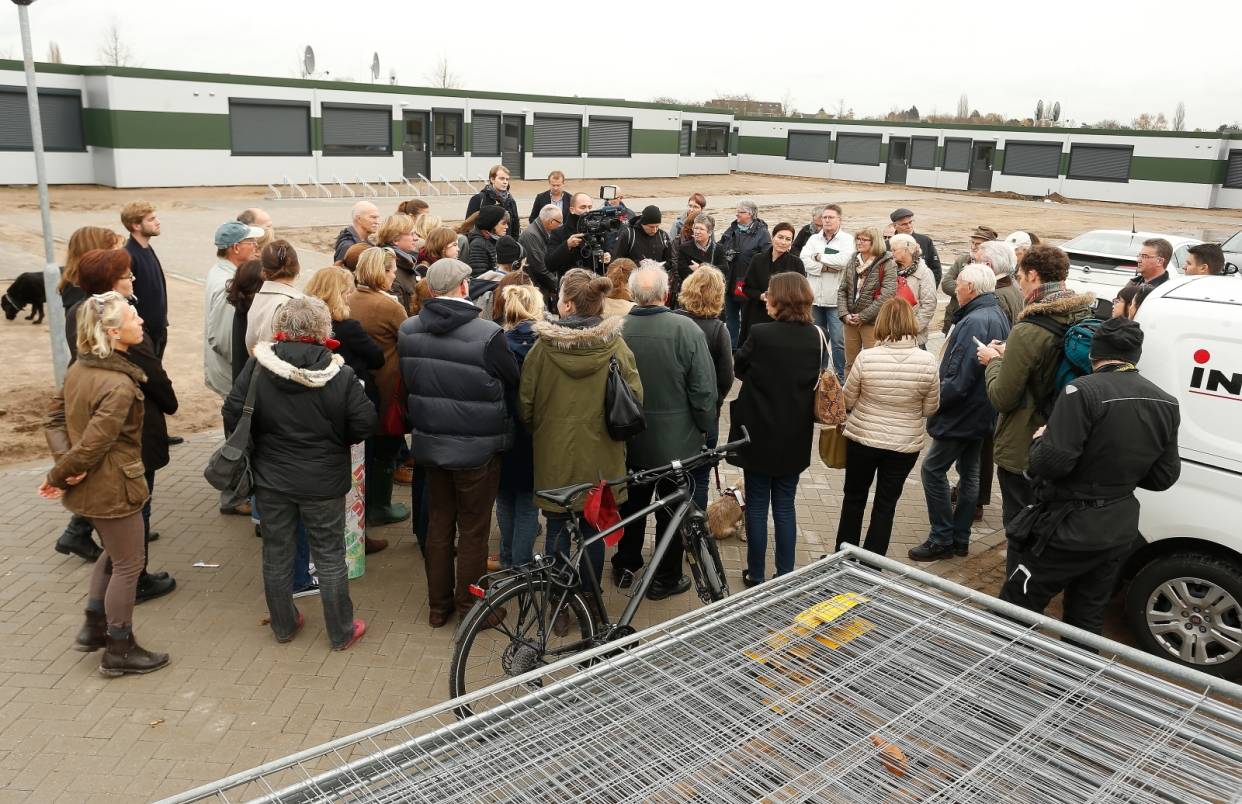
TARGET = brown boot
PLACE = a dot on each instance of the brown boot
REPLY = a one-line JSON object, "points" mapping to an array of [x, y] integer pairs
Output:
{"points": [[94, 633], [125, 655], [374, 545]]}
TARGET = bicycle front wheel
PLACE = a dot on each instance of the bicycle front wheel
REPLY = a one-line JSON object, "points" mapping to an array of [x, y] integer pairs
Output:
{"points": [[542, 623], [704, 558]]}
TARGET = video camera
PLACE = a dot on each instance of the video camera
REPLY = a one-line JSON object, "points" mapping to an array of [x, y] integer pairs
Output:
{"points": [[597, 225]]}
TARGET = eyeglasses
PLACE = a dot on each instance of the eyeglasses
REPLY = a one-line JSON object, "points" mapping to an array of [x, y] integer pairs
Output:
{"points": [[129, 276], [862, 239]]}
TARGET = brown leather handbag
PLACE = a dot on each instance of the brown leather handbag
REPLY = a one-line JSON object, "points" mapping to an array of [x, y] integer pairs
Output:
{"points": [[829, 395]]}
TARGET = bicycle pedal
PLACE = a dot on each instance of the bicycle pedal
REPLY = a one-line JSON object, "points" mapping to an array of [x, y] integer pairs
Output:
{"points": [[635, 581]]}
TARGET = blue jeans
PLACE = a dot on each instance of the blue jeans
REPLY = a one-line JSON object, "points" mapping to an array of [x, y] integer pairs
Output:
{"points": [[951, 525], [519, 522], [703, 475], [778, 492], [557, 542], [732, 315], [826, 318], [301, 547]]}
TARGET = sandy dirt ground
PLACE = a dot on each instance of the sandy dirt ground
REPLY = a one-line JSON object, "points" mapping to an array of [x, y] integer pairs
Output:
{"points": [[948, 217]]}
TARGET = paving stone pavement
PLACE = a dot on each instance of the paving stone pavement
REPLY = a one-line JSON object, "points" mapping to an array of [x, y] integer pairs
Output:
{"points": [[232, 697]]}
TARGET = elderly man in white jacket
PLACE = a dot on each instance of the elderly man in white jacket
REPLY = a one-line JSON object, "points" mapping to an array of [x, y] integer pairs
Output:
{"points": [[824, 255]]}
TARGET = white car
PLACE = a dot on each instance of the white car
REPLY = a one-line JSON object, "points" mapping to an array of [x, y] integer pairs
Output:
{"points": [[1184, 595], [1102, 261]]}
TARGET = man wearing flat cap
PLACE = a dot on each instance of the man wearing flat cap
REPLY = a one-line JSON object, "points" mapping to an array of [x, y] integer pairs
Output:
{"points": [[1110, 432], [948, 283], [903, 223]]}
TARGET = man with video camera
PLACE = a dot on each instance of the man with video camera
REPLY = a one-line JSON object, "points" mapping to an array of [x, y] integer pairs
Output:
{"points": [[580, 243]]}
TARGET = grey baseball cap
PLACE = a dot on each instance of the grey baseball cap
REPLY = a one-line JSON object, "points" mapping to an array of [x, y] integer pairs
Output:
{"points": [[233, 232]]}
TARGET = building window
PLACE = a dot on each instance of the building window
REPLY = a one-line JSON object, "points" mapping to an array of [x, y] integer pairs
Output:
{"points": [[484, 134], [687, 131], [956, 155], [1038, 159], [558, 135], [269, 128], [1233, 170], [923, 153], [356, 130], [808, 146], [609, 136], [711, 139], [446, 132], [858, 149], [1100, 162], [60, 115]]}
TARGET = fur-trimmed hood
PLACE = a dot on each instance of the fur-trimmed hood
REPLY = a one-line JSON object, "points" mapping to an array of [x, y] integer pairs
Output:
{"points": [[1059, 307], [560, 336], [305, 364]]}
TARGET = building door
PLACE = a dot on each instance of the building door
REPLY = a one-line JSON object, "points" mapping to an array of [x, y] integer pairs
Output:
{"points": [[981, 156], [511, 145], [898, 160], [415, 145]]}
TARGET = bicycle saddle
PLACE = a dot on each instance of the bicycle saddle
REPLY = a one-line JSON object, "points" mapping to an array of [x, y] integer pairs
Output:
{"points": [[565, 494]]}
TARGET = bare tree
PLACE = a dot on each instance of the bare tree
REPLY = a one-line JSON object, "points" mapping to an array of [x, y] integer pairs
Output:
{"points": [[1179, 117], [442, 75], [53, 54], [1148, 122], [787, 107], [670, 100], [115, 50], [963, 107], [843, 112]]}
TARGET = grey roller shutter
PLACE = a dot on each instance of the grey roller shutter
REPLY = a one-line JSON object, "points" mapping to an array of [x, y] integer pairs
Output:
{"points": [[1233, 173], [59, 111], [808, 146], [357, 130], [1042, 159], [956, 155], [266, 129], [858, 149], [923, 153], [558, 136], [1100, 162], [687, 129], [607, 137], [485, 134]]}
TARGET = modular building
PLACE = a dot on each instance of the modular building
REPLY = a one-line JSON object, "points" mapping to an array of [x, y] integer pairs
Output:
{"points": [[131, 127]]}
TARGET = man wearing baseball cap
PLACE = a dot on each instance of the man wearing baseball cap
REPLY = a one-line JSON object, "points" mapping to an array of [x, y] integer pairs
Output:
{"points": [[458, 373], [903, 223], [236, 243], [948, 284]]}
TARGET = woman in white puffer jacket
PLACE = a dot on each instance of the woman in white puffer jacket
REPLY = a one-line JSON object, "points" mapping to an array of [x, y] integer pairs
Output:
{"points": [[891, 390]]}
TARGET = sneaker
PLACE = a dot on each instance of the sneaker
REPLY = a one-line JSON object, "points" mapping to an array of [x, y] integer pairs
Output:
{"points": [[930, 551], [310, 589], [360, 628]]}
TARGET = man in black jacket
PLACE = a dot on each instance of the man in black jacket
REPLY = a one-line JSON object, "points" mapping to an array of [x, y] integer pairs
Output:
{"points": [[536, 242], [458, 371], [903, 223], [1110, 432], [647, 241], [496, 192], [555, 195], [150, 286], [564, 245]]}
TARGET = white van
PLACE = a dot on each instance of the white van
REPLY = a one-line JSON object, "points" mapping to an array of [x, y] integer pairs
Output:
{"points": [[1184, 594]]}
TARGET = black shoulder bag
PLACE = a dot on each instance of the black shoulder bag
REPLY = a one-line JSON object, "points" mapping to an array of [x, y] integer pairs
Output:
{"points": [[622, 412], [228, 468]]}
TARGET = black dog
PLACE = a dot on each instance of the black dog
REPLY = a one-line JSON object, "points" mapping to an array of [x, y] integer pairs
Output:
{"points": [[26, 289]]}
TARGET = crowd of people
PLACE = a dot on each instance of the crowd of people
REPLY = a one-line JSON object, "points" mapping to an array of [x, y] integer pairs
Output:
{"points": [[472, 364]]}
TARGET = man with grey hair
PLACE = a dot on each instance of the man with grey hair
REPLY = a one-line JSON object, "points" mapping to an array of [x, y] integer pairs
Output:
{"points": [[259, 219], [534, 240], [999, 256], [964, 418], [671, 353], [365, 222], [804, 234], [458, 374]]}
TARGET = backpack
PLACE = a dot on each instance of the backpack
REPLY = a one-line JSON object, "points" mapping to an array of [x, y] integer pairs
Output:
{"points": [[1075, 358]]}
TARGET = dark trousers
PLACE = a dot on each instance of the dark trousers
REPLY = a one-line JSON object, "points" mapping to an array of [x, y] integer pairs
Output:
{"points": [[732, 316], [1016, 494], [630, 549], [418, 505], [556, 543], [324, 521], [703, 475], [461, 500], [862, 465], [1088, 579], [986, 469]]}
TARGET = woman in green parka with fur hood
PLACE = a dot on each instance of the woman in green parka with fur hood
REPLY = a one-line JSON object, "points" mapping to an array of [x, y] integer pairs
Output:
{"points": [[561, 400]]}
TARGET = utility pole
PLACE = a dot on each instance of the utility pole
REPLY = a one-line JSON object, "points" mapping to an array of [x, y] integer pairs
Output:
{"points": [[51, 271]]}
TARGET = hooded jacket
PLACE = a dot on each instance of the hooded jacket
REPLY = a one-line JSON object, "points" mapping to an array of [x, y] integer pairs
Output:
{"points": [[309, 408], [744, 245], [1019, 381], [561, 401], [457, 369], [965, 411], [345, 238]]}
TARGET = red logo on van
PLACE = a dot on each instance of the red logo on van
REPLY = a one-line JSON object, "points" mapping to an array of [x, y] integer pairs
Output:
{"points": [[1211, 382]]}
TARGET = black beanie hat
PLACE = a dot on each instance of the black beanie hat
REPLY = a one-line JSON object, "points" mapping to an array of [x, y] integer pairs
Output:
{"points": [[508, 250], [651, 214], [1118, 339], [489, 216]]}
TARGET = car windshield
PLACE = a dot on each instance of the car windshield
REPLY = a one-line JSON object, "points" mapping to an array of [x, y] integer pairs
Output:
{"points": [[1114, 244], [1234, 243]]}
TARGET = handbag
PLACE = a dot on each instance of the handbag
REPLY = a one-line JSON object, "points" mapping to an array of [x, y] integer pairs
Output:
{"points": [[832, 447], [725, 513], [623, 414], [394, 422], [829, 396], [904, 293], [228, 468]]}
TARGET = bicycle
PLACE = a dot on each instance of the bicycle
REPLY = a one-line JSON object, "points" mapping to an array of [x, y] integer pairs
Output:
{"points": [[552, 609]]}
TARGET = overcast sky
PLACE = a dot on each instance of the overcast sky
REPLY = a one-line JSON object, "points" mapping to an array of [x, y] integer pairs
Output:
{"points": [[1099, 60]]}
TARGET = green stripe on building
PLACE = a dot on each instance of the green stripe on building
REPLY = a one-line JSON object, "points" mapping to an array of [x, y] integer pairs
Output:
{"points": [[653, 141], [173, 130]]}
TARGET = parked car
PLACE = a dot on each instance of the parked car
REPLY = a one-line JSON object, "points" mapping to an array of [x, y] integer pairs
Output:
{"points": [[1103, 260], [1233, 251], [1183, 597]]}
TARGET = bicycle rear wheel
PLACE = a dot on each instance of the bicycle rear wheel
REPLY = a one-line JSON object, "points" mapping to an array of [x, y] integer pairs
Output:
{"points": [[704, 558], [529, 637]]}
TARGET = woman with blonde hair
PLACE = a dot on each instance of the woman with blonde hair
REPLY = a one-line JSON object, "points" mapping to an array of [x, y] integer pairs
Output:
{"points": [[701, 300], [868, 280], [335, 287], [84, 239], [918, 278], [397, 233], [618, 302], [94, 428], [891, 390], [381, 316]]}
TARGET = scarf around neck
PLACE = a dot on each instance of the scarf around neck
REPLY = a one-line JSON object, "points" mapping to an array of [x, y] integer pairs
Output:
{"points": [[1049, 292]]}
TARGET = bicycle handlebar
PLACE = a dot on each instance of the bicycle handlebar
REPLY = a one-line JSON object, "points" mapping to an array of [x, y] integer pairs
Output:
{"points": [[644, 476]]}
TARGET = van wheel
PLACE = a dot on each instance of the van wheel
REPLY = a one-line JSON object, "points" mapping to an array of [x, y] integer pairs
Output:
{"points": [[1187, 607]]}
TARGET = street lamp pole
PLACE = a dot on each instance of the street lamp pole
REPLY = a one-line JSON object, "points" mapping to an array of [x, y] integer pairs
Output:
{"points": [[51, 271]]}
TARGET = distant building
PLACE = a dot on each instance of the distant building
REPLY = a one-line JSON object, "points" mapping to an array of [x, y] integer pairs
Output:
{"points": [[748, 108]]}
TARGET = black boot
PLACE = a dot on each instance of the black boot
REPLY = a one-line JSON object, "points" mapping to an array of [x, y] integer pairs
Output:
{"points": [[94, 633], [124, 655], [152, 584], [77, 540]]}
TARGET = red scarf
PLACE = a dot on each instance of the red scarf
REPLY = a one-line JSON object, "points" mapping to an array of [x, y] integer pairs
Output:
{"points": [[331, 343]]}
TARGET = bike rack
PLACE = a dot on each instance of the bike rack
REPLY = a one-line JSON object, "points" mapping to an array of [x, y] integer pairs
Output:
{"points": [[295, 187], [344, 187], [391, 190], [413, 190], [430, 187], [324, 192], [369, 190], [466, 182], [275, 194]]}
